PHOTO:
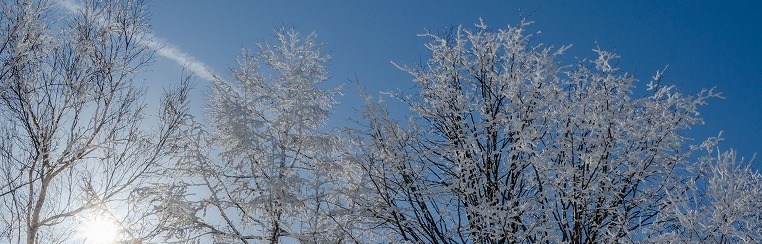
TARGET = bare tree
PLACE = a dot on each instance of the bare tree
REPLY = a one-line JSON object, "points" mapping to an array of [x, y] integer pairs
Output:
{"points": [[506, 145], [73, 142]]}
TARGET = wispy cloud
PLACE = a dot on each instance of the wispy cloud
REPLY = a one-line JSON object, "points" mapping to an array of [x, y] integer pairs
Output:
{"points": [[162, 47]]}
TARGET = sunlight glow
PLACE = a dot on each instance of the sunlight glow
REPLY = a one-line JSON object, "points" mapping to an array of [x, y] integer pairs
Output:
{"points": [[100, 230]]}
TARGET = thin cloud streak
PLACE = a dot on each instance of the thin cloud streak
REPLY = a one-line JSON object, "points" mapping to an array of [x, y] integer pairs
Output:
{"points": [[162, 47]]}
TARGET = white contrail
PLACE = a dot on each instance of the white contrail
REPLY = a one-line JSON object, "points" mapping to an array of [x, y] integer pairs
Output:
{"points": [[175, 54], [162, 47]]}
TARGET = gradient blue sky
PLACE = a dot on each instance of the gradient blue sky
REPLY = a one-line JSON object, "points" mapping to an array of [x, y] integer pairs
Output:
{"points": [[705, 44]]}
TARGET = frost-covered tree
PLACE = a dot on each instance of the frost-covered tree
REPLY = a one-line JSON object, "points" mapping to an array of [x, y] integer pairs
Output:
{"points": [[506, 145], [266, 171], [720, 202], [72, 138]]}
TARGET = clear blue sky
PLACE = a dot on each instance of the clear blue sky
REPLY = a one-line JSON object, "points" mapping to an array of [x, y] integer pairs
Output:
{"points": [[705, 44]]}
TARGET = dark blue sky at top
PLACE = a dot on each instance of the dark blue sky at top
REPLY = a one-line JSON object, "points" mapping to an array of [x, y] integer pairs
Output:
{"points": [[705, 44]]}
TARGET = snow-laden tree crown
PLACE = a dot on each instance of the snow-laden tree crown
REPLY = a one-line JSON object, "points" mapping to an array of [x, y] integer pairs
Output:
{"points": [[504, 143]]}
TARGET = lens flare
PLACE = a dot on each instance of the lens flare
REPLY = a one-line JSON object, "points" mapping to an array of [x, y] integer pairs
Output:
{"points": [[100, 230]]}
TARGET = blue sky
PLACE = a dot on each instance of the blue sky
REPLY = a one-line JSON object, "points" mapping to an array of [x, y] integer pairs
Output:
{"points": [[705, 44]]}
